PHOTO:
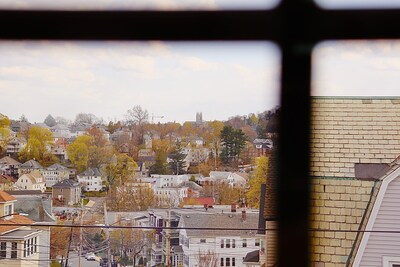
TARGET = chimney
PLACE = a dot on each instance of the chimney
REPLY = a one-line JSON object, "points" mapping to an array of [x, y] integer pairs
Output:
{"points": [[243, 215], [233, 207]]}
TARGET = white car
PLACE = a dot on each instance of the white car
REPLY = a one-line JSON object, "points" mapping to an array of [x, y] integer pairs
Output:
{"points": [[90, 256]]}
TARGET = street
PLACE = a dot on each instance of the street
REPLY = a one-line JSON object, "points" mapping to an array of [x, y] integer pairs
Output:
{"points": [[74, 261]]}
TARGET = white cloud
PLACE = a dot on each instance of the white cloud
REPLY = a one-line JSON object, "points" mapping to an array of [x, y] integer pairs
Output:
{"points": [[197, 64]]}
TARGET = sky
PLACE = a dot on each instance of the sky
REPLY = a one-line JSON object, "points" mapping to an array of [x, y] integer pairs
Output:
{"points": [[174, 80], [177, 79], [137, 4]]}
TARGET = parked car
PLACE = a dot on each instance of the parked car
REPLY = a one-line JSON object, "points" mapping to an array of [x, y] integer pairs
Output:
{"points": [[90, 256], [103, 262]]}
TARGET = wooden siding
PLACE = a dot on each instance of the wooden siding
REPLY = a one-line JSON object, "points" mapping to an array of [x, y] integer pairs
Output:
{"points": [[388, 219]]}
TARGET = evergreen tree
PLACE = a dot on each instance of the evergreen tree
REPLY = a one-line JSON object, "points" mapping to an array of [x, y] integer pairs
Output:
{"points": [[160, 166], [233, 141], [50, 121], [177, 156]]}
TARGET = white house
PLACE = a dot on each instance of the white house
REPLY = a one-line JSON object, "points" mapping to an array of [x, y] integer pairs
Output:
{"points": [[54, 174], [169, 180], [15, 145], [232, 178], [29, 166], [91, 180], [31, 181], [224, 247], [20, 244], [60, 131]]}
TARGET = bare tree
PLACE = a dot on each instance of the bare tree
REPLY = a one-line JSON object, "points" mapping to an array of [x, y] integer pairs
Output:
{"points": [[136, 119], [88, 118], [130, 243], [136, 116], [207, 259]]}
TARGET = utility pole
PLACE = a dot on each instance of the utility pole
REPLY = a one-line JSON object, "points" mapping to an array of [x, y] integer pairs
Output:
{"points": [[108, 235], [169, 238], [69, 242]]}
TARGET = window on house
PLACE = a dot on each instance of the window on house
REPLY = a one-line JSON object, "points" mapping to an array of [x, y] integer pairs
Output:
{"points": [[3, 249], [222, 243], [228, 262], [202, 241], [233, 243], [14, 251], [222, 262], [233, 262], [257, 243], [8, 210], [244, 243], [228, 243]]}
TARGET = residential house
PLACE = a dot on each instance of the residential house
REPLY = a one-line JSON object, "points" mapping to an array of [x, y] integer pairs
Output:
{"points": [[31, 181], [60, 151], [15, 145], [9, 166], [19, 126], [225, 247], [37, 207], [234, 179], [7, 182], [67, 192], [121, 136], [54, 174], [60, 131], [29, 166], [262, 146], [91, 180], [20, 244], [146, 155], [195, 155], [79, 129], [355, 180]]}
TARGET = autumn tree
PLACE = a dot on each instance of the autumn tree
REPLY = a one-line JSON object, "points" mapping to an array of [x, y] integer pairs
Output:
{"points": [[120, 170], [233, 141], [223, 193], [50, 121], [129, 243], [136, 197], [177, 157], [78, 152], [5, 132], [37, 146], [212, 135], [256, 179]]}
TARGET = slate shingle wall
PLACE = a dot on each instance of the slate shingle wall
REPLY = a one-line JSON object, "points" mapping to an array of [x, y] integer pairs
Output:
{"points": [[353, 130], [337, 204]]}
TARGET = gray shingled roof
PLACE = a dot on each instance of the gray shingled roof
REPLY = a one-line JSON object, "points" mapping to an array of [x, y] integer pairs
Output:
{"points": [[67, 183], [223, 221], [31, 164], [57, 167], [9, 161], [91, 172]]}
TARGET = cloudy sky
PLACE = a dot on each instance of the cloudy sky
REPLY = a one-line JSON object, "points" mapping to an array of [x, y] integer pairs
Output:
{"points": [[174, 80], [178, 79]]}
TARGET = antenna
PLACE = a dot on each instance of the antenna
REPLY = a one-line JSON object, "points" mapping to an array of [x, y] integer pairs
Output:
{"points": [[155, 116]]}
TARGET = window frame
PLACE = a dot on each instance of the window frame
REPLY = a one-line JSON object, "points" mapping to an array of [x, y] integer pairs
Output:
{"points": [[389, 261], [296, 26]]}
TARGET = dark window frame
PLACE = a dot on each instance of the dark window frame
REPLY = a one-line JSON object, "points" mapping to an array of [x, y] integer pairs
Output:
{"points": [[295, 26]]}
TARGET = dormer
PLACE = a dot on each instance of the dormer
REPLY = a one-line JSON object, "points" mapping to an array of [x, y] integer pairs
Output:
{"points": [[6, 205]]}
